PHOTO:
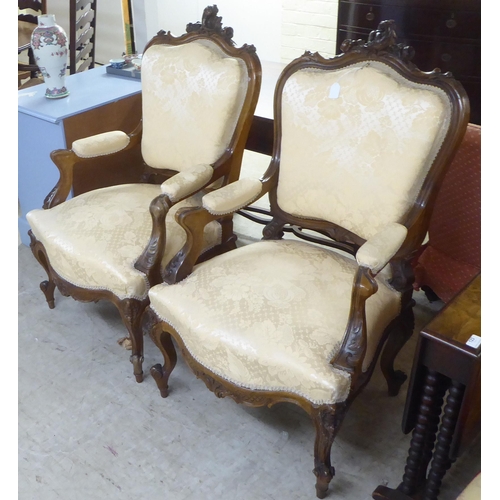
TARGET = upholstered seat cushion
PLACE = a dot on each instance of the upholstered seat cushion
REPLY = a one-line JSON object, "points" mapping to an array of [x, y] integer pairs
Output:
{"points": [[473, 490], [93, 240], [270, 315]]}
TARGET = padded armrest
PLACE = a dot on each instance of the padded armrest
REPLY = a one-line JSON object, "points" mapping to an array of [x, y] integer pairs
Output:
{"points": [[232, 197], [101, 144], [378, 250], [187, 182]]}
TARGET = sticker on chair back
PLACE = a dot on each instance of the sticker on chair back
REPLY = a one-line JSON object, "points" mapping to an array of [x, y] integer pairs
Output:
{"points": [[334, 91], [474, 341]]}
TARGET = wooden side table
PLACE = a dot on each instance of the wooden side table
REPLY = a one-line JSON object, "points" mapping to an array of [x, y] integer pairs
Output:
{"points": [[446, 369]]}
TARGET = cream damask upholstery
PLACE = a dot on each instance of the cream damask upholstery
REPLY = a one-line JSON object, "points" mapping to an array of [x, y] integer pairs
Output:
{"points": [[387, 132], [473, 490], [378, 250], [93, 240], [187, 182], [101, 144], [271, 315], [196, 85], [232, 197]]}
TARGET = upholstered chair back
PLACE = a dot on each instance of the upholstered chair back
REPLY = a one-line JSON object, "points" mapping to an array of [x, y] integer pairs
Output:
{"points": [[357, 143], [192, 96]]}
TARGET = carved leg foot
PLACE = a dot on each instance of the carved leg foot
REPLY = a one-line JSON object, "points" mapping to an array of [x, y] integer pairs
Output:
{"points": [[395, 381], [161, 378], [398, 337], [137, 361], [131, 311], [327, 422], [324, 475], [153, 325], [48, 287], [161, 373]]}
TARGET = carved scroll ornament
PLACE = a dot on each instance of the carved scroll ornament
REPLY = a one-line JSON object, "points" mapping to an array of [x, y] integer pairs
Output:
{"points": [[211, 23], [383, 39]]}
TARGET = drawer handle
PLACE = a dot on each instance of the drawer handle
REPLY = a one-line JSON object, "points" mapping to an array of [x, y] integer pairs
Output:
{"points": [[451, 23], [446, 57], [370, 16]]}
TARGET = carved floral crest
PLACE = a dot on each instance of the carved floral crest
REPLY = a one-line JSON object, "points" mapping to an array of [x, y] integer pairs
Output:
{"points": [[211, 23], [383, 39]]}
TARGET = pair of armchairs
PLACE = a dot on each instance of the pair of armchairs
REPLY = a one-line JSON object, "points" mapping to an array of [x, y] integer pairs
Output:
{"points": [[362, 142]]}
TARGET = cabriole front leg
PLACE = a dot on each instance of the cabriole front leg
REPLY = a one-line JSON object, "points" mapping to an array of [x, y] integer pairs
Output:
{"points": [[48, 286], [160, 373], [152, 324], [131, 311], [327, 421]]}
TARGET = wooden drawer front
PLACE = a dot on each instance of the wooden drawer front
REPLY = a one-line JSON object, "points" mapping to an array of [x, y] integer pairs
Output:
{"points": [[366, 16], [447, 23], [410, 21], [463, 60]]}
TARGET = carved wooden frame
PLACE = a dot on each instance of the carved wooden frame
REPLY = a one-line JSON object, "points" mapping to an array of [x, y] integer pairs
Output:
{"points": [[226, 169], [381, 46]]}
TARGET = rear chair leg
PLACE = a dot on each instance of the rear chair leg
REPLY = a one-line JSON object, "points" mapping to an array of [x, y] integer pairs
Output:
{"points": [[399, 335]]}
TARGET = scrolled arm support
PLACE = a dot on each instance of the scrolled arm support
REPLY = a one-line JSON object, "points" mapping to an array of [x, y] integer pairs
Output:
{"points": [[218, 204], [372, 256], [64, 159], [193, 221], [149, 261], [352, 351]]}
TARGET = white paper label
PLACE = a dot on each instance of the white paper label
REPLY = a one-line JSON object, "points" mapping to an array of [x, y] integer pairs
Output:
{"points": [[474, 341], [334, 91]]}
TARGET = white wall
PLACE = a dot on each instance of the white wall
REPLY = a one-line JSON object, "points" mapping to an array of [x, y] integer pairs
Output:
{"points": [[308, 25], [280, 29], [256, 22]]}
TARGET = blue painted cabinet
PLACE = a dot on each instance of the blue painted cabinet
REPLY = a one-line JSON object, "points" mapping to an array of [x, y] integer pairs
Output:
{"points": [[98, 102]]}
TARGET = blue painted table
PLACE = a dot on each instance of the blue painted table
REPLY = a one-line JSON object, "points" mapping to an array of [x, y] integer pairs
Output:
{"points": [[98, 102]]}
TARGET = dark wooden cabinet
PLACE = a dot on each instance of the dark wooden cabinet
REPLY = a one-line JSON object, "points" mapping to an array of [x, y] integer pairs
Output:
{"points": [[445, 34]]}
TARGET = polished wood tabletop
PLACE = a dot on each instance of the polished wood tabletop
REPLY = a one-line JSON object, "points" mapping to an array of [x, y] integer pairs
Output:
{"points": [[24, 31]]}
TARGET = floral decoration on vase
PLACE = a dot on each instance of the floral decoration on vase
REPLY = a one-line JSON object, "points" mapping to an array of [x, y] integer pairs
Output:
{"points": [[50, 48]]}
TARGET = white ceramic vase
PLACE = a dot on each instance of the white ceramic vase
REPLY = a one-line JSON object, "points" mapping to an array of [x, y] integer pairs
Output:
{"points": [[50, 48]]}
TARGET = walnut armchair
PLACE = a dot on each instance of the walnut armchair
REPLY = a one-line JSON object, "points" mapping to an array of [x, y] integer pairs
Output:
{"points": [[362, 142], [199, 93]]}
